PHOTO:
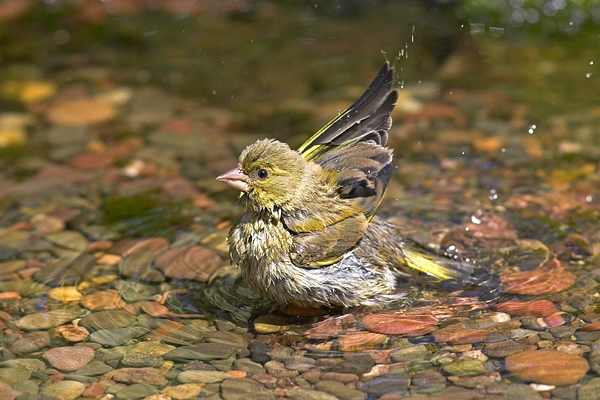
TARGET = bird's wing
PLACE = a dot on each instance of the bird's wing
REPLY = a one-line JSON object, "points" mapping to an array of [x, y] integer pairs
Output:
{"points": [[367, 119], [328, 245], [363, 170]]}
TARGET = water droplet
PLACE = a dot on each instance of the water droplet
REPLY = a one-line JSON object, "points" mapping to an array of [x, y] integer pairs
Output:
{"points": [[588, 75], [475, 220]]}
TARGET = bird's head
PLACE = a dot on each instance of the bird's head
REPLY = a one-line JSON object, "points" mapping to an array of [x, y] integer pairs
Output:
{"points": [[269, 175]]}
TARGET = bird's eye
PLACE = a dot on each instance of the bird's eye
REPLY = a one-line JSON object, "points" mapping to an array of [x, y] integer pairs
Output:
{"points": [[262, 173]]}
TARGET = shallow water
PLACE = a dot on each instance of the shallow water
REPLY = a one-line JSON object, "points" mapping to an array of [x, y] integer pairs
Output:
{"points": [[116, 118]]}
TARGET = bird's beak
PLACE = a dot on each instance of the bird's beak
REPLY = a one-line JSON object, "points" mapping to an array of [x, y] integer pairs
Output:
{"points": [[235, 178]]}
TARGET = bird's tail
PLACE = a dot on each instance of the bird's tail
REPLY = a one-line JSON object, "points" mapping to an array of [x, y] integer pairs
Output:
{"points": [[436, 264]]}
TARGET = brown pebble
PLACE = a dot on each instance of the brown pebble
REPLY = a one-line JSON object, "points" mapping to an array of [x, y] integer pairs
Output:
{"points": [[547, 367], [395, 324], [458, 334], [360, 341], [107, 300], [535, 308], [339, 377]]}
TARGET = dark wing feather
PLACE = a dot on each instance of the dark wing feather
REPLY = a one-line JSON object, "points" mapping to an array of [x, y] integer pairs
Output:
{"points": [[363, 172], [367, 119]]}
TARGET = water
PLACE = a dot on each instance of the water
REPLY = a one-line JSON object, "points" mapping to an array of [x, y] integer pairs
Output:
{"points": [[116, 118]]}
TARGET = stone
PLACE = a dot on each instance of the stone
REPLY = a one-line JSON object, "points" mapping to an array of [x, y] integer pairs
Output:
{"points": [[505, 348], [298, 393], [535, 308], [32, 364], [459, 334], [201, 351], [106, 300], [360, 341], [339, 390], [94, 368], [547, 367], [8, 267], [549, 278], [409, 353], [47, 320], [396, 324], [151, 376], [72, 240], [110, 319], [244, 389], [12, 375], [258, 351], [589, 391], [249, 366], [199, 376], [189, 262], [185, 391], [81, 112], [69, 358], [392, 383], [64, 390], [300, 364], [136, 391], [65, 294], [71, 333], [8, 393], [465, 367], [117, 336], [31, 342]]}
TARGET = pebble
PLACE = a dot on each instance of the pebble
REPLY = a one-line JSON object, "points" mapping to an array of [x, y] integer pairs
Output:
{"points": [[71, 333], [31, 342], [409, 353], [244, 389], [94, 368], [32, 364], [465, 367], [81, 112], [12, 375], [7, 392], [47, 320], [199, 376], [185, 391], [189, 262], [249, 366], [105, 300], [201, 351], [65, 294], [110, 319], [117, 336], [69, 358], [135, 391], [64, 390], [393, 383], [72, 240], [360, 341], [589, 391], [547, 367], [535, 308], [339, 390], [298, 393], [396, 324], [8, 267], [300, 364], [505, 348], [151, 376]]}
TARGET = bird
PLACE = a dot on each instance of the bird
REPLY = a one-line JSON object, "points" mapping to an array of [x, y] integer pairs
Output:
{"points": [[309, 236]]}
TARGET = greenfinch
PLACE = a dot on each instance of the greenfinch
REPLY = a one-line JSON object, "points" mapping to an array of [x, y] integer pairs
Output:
{"points": [[309, 236]]}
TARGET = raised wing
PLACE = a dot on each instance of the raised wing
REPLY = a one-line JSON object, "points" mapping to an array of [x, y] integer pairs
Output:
{"points": [[367, 119]]}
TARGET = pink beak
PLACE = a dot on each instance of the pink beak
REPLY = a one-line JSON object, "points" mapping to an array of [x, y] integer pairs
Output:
{"points": [[235, 178]]}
